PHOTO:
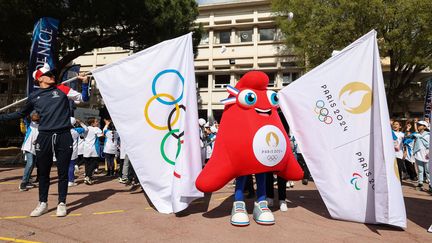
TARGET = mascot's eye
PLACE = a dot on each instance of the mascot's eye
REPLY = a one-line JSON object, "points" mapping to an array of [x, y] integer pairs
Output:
{"points": [[273, 97], [247, 97]]}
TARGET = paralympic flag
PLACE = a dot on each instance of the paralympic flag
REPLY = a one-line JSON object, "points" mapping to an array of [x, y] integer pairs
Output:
{"points": [[43, 47], [151, 97], [338, 114]]}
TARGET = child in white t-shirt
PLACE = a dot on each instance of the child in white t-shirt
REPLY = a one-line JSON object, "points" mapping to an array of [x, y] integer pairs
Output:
{"points": [[28, 148], [398, 137], [76, 132], [91, 149], [110, 146]]}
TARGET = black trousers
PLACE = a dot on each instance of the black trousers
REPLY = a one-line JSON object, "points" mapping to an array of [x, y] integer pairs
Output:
{"points": [[401, 168], [80, 160], [48, 144], [281, 183], [303, 165], [410, 167], [91, 164]]}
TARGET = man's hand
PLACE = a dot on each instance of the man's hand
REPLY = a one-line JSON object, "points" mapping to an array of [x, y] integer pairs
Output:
{"points": [[83, 78], [107, 122]]}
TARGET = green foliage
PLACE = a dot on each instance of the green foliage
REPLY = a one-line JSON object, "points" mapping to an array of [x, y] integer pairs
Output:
{"points": [[320, 26], [89, 24]]}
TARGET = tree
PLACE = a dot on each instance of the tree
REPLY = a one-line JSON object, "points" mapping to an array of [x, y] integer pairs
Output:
{"points": [[89, 24], [321, 26]]}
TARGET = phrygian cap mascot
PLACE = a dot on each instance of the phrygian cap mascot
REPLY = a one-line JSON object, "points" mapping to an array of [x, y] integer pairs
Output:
{"points": [[251, 140]]}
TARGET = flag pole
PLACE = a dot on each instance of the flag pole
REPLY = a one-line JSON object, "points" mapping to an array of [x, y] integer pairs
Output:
{"points": [[24, 99]]}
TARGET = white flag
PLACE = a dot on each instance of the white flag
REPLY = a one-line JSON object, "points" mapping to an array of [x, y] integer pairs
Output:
{"points": [[338, 114], [151, 97]]}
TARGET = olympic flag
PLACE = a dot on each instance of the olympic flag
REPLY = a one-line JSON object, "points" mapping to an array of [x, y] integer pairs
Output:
{"points": [[338, 114], [151, 97]]}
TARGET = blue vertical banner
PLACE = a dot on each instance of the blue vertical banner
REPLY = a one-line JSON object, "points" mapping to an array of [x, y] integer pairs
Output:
{"points": [[428, 99], [43, 47], [70, 72]]}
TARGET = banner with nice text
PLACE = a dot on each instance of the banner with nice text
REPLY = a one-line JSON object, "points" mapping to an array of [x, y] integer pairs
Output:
{"points": [[43, 47]]}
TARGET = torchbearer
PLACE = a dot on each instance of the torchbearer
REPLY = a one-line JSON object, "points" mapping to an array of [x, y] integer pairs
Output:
{"points": [[51, 102]]}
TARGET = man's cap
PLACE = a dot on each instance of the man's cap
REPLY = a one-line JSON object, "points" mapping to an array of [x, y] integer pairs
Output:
{"points": [[44, 70]]}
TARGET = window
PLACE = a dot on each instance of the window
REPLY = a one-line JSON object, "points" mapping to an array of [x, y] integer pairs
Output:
{"points": [[3, 88], [202, 81], [272, 79], [245, 35], [288, 78], [204, 38], [267, 34], [223, 37], [221, 81]]}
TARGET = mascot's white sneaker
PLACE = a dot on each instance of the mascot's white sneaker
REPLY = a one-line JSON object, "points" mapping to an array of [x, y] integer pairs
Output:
{"points": [[239, 215], [262, 214]]}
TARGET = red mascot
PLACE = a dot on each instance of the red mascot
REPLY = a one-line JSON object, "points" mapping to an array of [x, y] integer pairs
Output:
{"points": [[251, 140]]}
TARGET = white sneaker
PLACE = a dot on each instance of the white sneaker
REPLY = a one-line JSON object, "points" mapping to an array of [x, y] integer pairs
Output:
{"points": [[41, 208], [71, 184], [283, 206], [239, 216], [262, 214], [291, 184], [61, 210], [76, 170], [270, 202], [88, 181]]}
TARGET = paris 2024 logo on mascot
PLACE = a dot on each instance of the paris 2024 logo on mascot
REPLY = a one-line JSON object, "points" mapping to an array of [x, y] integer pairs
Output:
{"points": [[251, 138]]}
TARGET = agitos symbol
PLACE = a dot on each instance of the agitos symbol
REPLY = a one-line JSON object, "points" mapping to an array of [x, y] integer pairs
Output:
{"points": [[356, 176], [172, 101]]}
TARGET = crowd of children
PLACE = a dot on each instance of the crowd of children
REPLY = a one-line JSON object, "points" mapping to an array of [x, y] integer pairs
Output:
{"points": [[411, 143], [87, 150]]}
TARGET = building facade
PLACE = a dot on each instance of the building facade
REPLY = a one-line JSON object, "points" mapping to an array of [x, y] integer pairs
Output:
{"points": [[239, 36]]}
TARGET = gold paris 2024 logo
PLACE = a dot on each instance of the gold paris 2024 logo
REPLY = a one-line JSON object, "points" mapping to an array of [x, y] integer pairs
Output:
{"points": [[356, 97], [272, 139]]}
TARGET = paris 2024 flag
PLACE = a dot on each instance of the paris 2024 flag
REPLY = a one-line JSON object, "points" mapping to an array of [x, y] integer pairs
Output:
{"points": [[151, 97], [338, 114]]}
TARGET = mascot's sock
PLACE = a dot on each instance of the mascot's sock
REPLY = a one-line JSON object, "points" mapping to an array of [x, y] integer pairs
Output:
{"points": [[239, 188], [261, 186]]}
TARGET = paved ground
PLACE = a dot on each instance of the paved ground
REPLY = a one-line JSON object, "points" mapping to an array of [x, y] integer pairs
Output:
{"points": [[111, 212]]}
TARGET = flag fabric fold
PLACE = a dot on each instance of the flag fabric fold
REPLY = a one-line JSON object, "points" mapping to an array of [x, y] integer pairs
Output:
{"points": [[338, 114], [151, 97]]}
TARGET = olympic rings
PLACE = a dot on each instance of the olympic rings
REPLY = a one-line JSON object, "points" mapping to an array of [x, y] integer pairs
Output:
{"points": [[322, 112], [272, 157], [177, 109], [156, 79], [162, 147], [169, 125]]}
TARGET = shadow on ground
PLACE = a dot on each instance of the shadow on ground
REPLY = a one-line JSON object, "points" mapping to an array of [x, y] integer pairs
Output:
{"points": [[90, 198]]}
